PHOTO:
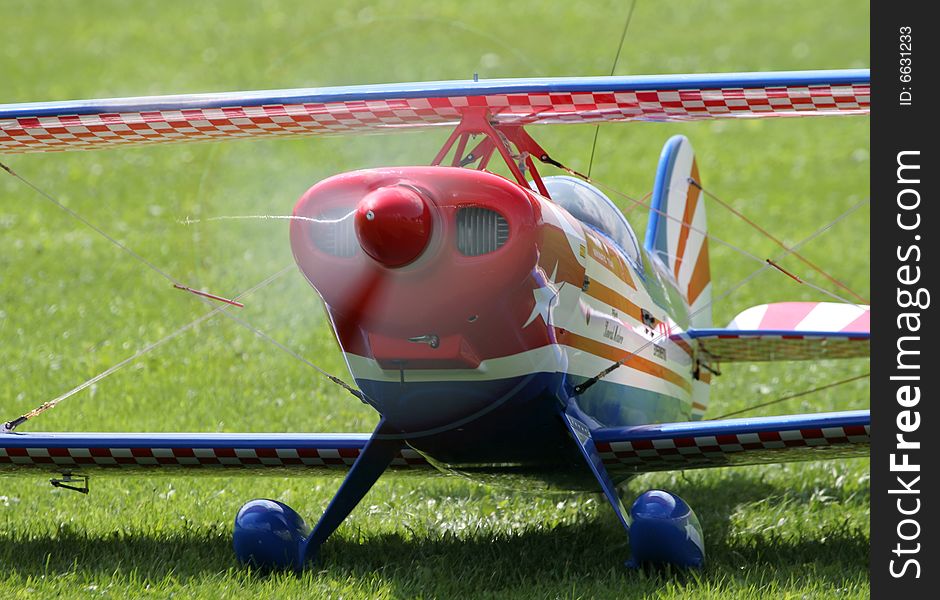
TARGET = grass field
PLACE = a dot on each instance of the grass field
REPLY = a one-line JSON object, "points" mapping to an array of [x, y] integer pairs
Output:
{"points": [[71, 304]]}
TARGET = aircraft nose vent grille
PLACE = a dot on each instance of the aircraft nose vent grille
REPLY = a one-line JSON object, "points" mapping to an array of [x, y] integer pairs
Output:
{"points": [[336, 235], [480, 230]]}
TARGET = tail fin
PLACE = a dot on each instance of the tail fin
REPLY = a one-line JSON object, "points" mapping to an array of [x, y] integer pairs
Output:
{"points": [[676, 234]]}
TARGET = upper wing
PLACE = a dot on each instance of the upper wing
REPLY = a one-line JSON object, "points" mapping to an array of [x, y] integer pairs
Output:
{"points": [[84, 124], [788, 331], [699, 444], [260, 453]]}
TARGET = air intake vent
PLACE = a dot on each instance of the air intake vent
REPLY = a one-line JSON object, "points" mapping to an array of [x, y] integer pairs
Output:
{"points": [[480, 230], [335, 234]]}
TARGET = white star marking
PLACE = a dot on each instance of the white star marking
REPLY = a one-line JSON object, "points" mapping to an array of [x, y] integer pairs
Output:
{"points": [[543, 299]]}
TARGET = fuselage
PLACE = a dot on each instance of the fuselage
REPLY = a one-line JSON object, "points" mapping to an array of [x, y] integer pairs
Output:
{"points": [[469, 339]]}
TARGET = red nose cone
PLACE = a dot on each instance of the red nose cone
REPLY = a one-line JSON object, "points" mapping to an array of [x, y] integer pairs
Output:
{"points": [[393, 225]]}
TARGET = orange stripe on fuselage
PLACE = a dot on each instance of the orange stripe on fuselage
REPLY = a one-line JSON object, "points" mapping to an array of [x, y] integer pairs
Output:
{"points": [[635, 361], [609, 258], [681, 343], [557, 254], [691, 202], [615, 299]]}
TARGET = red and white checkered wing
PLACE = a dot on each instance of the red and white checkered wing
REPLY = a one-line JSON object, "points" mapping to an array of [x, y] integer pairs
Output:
{"points": [[729, 442], [88, 124], [254, 453]]}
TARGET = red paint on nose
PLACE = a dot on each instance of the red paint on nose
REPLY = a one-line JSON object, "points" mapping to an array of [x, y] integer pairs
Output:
{"points": [[393, 225]]}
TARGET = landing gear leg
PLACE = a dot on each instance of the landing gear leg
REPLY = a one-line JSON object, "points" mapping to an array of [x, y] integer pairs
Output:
{"points": [[270, 535], [662, 528], [375, 458], [582, 435]]}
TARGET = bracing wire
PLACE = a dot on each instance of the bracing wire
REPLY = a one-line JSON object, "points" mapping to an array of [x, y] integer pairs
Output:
{"points": [[614, 366], [793, 395], [775, 240], [702, 232], [203, 296], [11, 425], [613, 69]]}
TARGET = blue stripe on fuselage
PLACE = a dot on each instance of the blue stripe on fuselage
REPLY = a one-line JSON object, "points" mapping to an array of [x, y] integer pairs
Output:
{"points": [[609, 402], [512, 420]]}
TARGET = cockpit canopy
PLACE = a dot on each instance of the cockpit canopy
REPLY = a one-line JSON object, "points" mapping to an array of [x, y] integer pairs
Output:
{"points": [[593, 208]]}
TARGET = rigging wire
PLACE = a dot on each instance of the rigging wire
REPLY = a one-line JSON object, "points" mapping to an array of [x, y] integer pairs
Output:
{"points": [[9, 426], [90, 225], [261, 334], [614, 366], [123, 247], [190, 221], [613, 69], [203, 296], [794, 395], [775, 240], [548, 160], [705, 233]]}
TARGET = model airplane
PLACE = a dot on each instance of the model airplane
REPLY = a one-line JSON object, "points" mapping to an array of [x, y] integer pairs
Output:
{"points": [[499, 325]]}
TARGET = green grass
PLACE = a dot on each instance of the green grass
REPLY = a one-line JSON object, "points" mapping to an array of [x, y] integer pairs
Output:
{"points": [[71, 304]]}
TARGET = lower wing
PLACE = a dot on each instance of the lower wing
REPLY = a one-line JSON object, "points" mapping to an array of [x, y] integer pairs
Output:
{"points": [[661, 447], [255, 454], [729, 442]]}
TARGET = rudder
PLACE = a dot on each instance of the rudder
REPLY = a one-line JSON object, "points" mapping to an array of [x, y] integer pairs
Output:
{"points": [[677, 231]]}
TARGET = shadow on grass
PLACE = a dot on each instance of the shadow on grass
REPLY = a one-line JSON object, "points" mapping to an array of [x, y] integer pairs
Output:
{"points": [[591, 550], [715, 499]]}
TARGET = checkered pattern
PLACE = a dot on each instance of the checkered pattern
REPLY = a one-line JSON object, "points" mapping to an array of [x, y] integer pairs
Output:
{"points": [[70, 132], [737, 448], [753, 348], [335, 458]]}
